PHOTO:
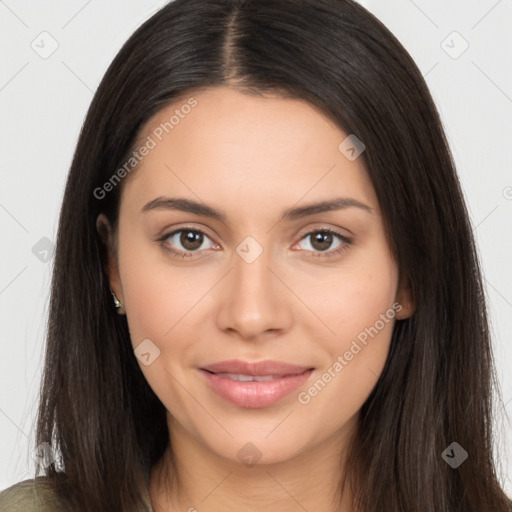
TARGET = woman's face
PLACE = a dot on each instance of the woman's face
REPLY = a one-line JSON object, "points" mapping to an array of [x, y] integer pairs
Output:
{"points": [[261, 280]]}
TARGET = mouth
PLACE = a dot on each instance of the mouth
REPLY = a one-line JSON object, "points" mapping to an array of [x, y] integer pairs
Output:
{"points": [[254, 385]]}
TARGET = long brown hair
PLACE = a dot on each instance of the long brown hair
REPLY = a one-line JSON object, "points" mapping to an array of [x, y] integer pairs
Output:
{"points": [[96, 408]]}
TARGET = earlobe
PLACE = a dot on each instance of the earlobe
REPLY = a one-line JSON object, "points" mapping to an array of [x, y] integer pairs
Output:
{"points": [[406, 305], [406, 310], [104, 230]]}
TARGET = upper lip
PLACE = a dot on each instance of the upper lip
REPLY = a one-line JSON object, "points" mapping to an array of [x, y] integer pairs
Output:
{"points": [[260, 368]]}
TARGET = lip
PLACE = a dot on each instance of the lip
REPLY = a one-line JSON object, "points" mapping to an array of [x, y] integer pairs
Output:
{"points": [[255, 394], [259, 368]]}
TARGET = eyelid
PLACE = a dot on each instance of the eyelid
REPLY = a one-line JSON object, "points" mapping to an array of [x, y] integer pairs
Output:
{"points": [[167, 232], [324, 227]]}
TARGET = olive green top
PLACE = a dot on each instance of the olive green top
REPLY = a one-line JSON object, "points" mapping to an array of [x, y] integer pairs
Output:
{"points": [[35, 495]]}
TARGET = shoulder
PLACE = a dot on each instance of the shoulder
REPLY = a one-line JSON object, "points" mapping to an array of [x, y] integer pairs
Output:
{"points": [[29, 495]]}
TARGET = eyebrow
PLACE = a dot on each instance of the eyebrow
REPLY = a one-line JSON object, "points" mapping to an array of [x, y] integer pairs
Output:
{"points": [[290, 214]]}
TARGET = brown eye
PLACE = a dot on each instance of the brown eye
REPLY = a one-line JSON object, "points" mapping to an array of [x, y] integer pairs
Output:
{"points": [[325, 243], [191, 240], [321, 240], [186, 241]]}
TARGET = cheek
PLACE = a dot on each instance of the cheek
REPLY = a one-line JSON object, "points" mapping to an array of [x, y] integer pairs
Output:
{"points": [[159, 306], [157, 296], [361, 318], [365, 305], [355, 297]]}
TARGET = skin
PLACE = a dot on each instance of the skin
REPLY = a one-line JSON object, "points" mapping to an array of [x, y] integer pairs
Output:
{"points": [[253, 157]]}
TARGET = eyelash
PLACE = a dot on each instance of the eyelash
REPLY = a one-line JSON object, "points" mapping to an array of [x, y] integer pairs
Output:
{"points": [[347, 242]]}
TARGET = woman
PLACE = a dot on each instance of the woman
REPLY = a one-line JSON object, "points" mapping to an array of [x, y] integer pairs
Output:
{"points": [[262, 191]]}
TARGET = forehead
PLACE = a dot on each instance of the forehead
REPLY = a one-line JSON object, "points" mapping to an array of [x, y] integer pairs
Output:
{"points": [[221, 142]]}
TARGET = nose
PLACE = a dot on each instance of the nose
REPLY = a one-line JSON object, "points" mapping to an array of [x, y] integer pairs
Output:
{"points": [[255, 301]]}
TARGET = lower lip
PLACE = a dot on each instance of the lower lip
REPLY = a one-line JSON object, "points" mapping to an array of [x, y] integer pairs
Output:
{"points": [[255, 394]]}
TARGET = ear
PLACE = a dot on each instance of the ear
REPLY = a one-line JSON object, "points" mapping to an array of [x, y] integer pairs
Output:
{"points": [[405, 300], [106, 234]]}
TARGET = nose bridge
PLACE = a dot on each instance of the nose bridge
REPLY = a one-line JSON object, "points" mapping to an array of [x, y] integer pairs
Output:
{"points": [[252, 279], [251, 273], [254, 301]]}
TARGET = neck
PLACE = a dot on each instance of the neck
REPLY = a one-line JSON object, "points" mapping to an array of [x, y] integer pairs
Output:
{"points": [[206, 481]]}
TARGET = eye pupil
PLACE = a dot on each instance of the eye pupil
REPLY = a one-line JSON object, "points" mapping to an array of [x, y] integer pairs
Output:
{"points": [[190, 239], [324, 239]]}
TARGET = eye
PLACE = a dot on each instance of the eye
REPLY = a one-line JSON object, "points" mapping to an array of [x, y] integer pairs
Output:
{"points": [[321, 240], [184, 242]]}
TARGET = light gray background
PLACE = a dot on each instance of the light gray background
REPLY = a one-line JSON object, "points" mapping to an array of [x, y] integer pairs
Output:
{"points": [[43, 102]]}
